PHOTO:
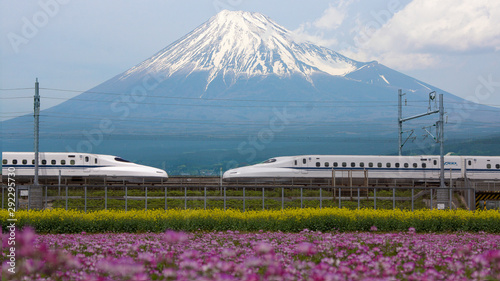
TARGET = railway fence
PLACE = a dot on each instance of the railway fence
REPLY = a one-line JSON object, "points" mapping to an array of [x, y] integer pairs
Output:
{"points": [[89, 197]]}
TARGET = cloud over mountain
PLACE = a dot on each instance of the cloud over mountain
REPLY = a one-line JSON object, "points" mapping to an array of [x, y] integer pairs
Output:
{"points": [[424, 31]]}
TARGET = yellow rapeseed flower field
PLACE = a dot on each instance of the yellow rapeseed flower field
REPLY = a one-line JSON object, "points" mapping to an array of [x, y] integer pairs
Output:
{"points": [[290, 220]]}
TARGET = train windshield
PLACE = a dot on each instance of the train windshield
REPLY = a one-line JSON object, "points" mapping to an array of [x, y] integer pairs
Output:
{"points": [[272, 160], [121, 160]]}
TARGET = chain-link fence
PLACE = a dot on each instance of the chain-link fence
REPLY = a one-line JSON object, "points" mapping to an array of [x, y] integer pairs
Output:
{"points": [[245, 198]]}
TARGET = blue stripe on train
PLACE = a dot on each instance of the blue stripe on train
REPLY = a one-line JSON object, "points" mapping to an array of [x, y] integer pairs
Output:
{"points": [[391, 169], [51, 166]]}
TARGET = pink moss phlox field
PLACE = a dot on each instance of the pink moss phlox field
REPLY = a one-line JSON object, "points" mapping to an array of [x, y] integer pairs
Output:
{"points": [[232, 255]]}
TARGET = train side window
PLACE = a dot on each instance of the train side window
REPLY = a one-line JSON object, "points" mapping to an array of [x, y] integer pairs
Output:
{"points": [[95, 160], [72, 162], [406, 165], [53, 162], [304, 160], [87, 159], [497, 166], [4, 161], [295, 162], [469, 163], [397, 165], [424, 165], [370, 164], [25, 161], [361, 164], [353, 164], [327, 164], [388, 165], [44, 162], [63, 162], [488, 166], [379, 165], [318, 164], [33, 161], [435, 162], [344, 164], [14, 161], [335, 164], [415, 165]]}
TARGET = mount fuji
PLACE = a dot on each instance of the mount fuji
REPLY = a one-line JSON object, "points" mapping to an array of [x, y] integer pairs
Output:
{"points": [[237, 45], [238, 89]]}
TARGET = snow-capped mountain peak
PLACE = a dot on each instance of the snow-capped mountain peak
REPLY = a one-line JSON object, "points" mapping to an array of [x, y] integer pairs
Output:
{"points": [[244, 44]]}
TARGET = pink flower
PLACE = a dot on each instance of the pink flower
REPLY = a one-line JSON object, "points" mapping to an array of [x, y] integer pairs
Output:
{"points": [[228, 253], [169, 273], [173, 237], [373, 228], [263, 248], [252, 277], [409, 266], [306, 248]]}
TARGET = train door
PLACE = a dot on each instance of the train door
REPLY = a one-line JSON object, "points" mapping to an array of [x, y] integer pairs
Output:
{"points": [[469, 167], [86, 163], [436, 167], [296, 165], [303, 164]]}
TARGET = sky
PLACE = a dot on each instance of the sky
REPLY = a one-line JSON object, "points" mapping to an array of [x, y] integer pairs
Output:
{"points": [[75, 44]]}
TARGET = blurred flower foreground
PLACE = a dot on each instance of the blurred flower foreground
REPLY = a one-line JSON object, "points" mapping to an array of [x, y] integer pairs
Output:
{"points": [[231, 255]]}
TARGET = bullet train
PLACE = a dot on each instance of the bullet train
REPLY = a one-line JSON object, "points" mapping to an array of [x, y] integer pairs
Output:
{"points": [[77, 166], [358, 167]]}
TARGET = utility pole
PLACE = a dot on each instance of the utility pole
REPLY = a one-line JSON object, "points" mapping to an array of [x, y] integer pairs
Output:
{"points": [[441, 139], [439, 128], [432, 96], [400, 123], [37, 128]]}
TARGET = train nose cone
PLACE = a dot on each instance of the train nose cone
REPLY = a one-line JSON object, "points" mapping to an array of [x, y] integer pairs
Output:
{"points": [[230, 173], [161, 173]]}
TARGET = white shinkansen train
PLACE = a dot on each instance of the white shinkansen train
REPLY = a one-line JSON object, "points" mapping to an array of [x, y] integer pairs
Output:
{"points": [[389, 168], [78, 166]]}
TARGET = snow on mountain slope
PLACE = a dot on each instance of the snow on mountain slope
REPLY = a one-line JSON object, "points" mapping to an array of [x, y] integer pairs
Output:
{"points": [[244, 44]]}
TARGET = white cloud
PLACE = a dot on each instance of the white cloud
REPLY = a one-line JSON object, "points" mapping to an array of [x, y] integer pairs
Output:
{"points": [[332, 18], [447, 25], [424, 30], [302, 34]]}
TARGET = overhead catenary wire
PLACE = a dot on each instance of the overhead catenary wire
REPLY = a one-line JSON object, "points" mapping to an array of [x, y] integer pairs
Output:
{"points": [[305, 104], [16, 89], [224, 105], [238, 122], [216, 99], [222, 99], [212, 99], [256, 100]]}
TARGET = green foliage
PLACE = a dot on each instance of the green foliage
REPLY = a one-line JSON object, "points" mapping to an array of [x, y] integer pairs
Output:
{"points": [[288, 220]]}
